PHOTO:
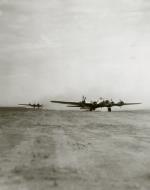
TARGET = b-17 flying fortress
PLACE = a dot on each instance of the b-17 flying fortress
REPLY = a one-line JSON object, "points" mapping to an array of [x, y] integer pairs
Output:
{"points": [[38, 106], [92, 106]]}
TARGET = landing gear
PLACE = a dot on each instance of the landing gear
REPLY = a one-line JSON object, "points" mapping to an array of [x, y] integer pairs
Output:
{"points": [[92, 109], [109, 109]]}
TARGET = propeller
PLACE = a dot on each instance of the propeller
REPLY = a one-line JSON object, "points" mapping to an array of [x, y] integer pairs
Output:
{"points": [[101, 99], [111, 101], [121, 101]]}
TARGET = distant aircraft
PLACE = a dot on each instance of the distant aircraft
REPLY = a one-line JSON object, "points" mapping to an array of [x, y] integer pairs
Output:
{"points": [[92, 106], [33, 105]]}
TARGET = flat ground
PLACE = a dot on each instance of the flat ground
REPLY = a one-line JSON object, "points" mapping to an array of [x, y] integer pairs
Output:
{"points": [[60, 150]]}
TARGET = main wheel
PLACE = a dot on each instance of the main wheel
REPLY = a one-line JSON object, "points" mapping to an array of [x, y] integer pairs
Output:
{"points": [[109, 109]]}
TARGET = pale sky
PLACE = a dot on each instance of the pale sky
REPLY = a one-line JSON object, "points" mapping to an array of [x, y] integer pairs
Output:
{"points": [[63, 49]]}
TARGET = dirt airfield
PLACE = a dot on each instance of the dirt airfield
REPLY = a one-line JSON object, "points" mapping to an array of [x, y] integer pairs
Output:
{"points": [[60, 150]]}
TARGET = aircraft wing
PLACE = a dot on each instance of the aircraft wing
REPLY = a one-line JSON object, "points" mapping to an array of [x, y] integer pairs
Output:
{"points": [[124, 104], [63, 102], [131, 103], [72, 104], [69, 103], [24, 104]]}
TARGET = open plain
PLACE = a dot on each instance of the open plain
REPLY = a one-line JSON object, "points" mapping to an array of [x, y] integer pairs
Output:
{"points": [[74, 150]]}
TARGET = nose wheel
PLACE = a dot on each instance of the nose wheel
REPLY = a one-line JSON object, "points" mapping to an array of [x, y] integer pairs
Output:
{"points": [[109, 109]]}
